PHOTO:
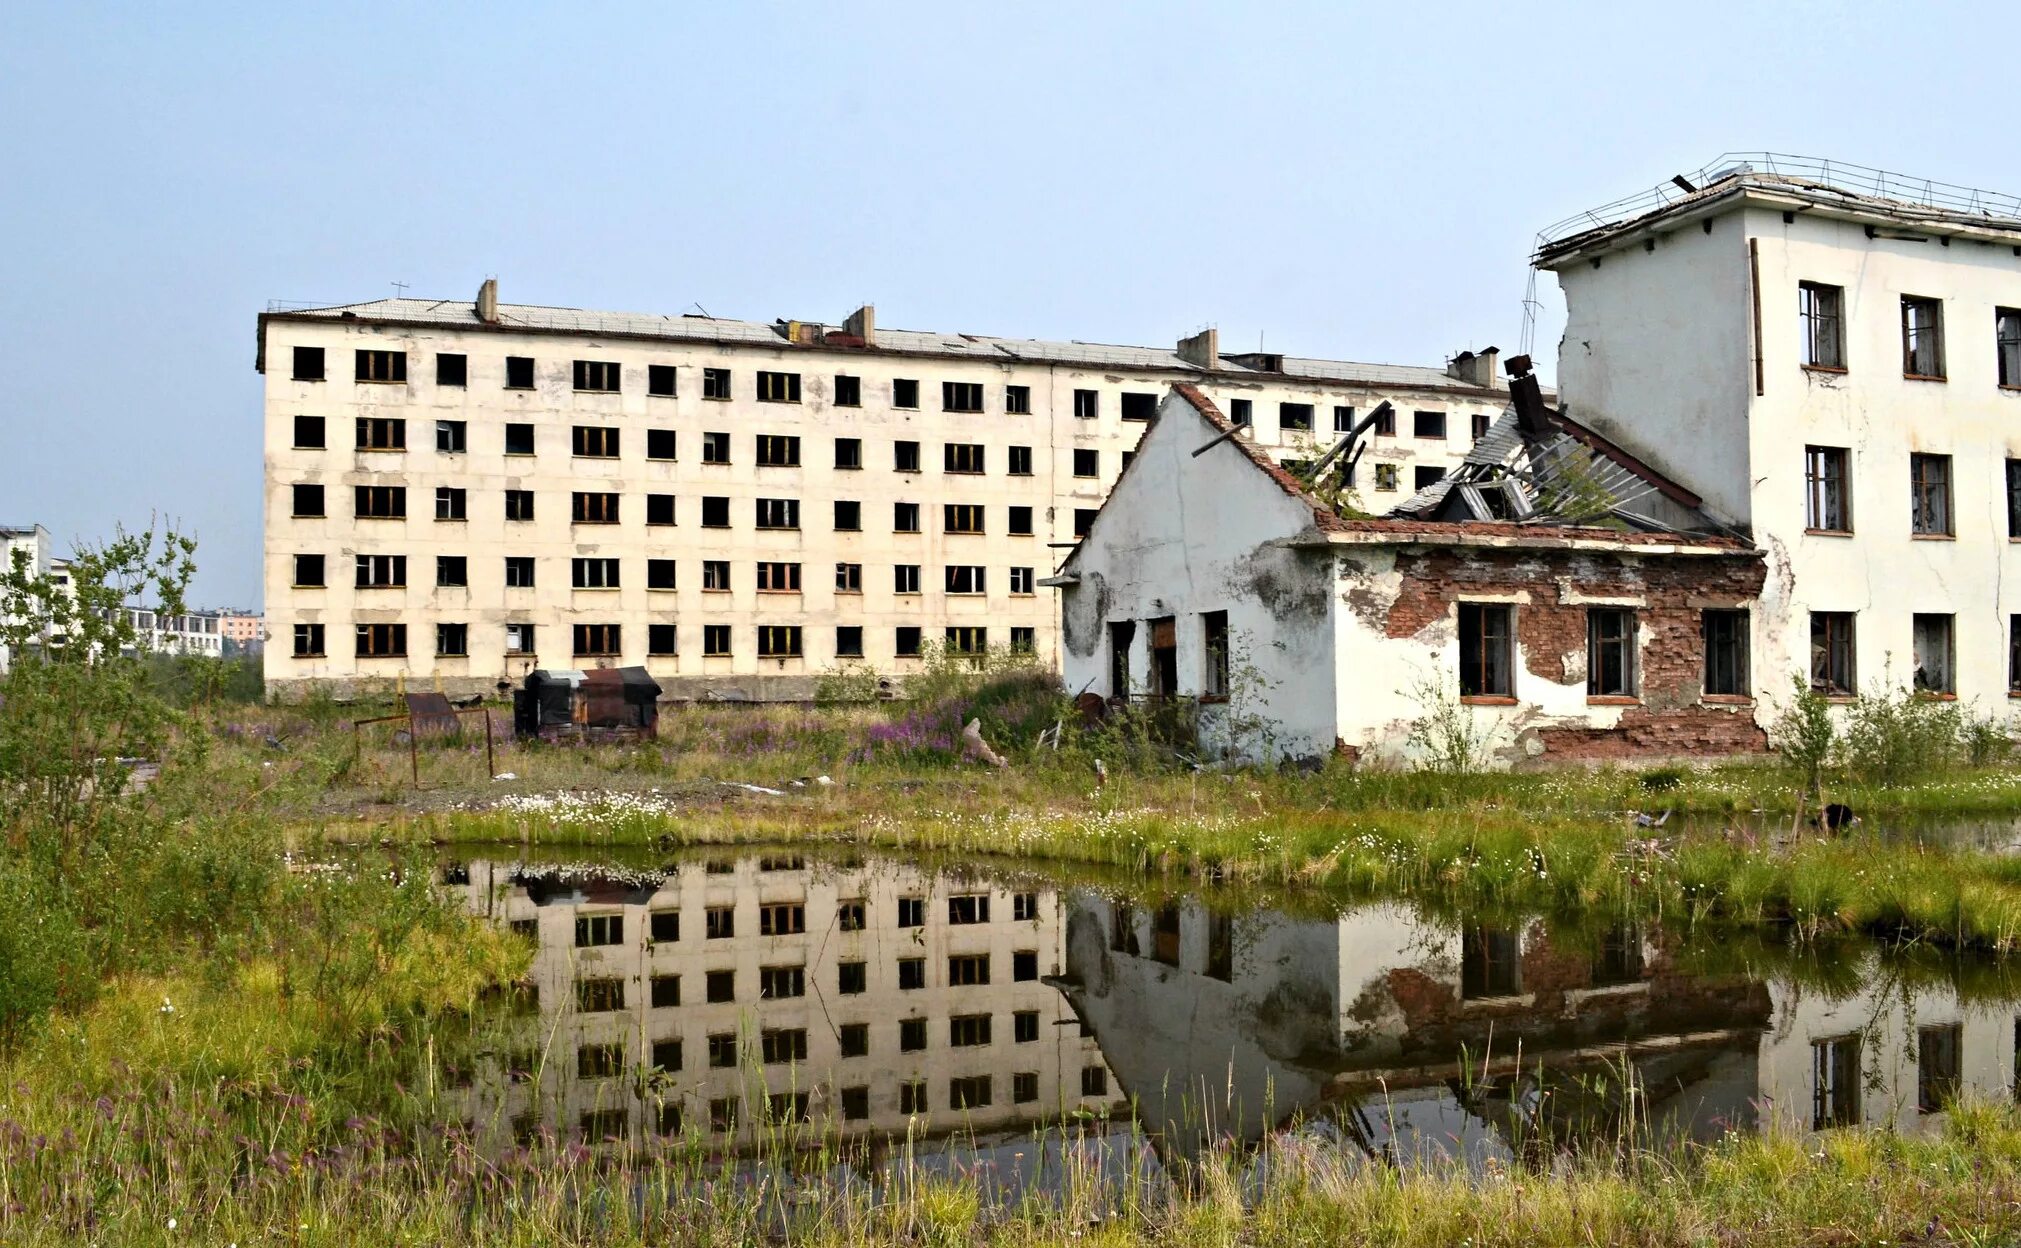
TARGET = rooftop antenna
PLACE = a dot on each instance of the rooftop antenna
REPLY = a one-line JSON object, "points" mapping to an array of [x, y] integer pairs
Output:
{"points": [[704, 311], [401, 289]]}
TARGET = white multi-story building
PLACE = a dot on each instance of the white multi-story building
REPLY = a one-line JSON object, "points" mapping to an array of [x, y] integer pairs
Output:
{"points": [[195, 633], [1831, 357], [715, 997], [466, 491], [31, 541]]}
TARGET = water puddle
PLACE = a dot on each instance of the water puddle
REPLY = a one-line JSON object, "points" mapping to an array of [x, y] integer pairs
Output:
{"points": [[1016, 1026]]}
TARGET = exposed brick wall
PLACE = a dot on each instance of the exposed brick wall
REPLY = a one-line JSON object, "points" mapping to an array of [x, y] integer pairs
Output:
{"points": [[1670, 719]]}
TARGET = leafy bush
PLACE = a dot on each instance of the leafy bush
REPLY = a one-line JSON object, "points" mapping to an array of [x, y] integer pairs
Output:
{"points": [[1894, 736], [1804, 733]]}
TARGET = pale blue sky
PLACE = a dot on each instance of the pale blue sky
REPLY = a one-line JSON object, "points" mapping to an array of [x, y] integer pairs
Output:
{"points": [[1362, 185]]}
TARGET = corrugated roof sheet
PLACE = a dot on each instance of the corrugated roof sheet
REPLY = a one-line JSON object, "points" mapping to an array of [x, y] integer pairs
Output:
{"points": [[460, 314]]}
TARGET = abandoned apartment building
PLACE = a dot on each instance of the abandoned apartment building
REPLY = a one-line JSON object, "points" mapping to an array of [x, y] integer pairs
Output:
{"points": [[1788, 451], [463, 491]]}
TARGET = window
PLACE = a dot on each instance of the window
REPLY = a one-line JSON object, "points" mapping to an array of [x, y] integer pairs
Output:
{"points": [[518, 372], [659, 510], [1294, 417], [2014, 498], [968, 1091], [599, 996], [912, 1097], [967, 639], [1094, 1081], [905, 456], [1490, 964], [1726, 653], [776, 983], [382, 571], [778, 450], [662, 640], [724, 1111], [962, 457], [904, 393], [1139, 406], [519, 504], [518, 439], [389, 366], [519, 639], [1821, 308], [594, 442], [451, 436], [1084, 520], [1018, 522], [519, 571], [380, 502], [1241, 411], [592, 640], [961, 517], [848, 391], [308, 571], [715, 383], [1827, 492], [2007, 346], [722, 1048], [911, 974], [855, 1103], [594, 507], [1343, 419], [307, 500], [715, 512], [778, 513], [1385, 477], [308, 363], [854, 1039], [308, 641], [450, 502], [1422, 476], [1486, 651], [778, 387], [1610, 652], [1939, 1066], [1025, 965], [716, 640], [848, 578], [849, 452], [784, 1045], [596, 375], [966, 578], [1831, 653], [911, 1035], [961, 396], [1930, 639], [1214, 639], [1922, 338], [851, 915], [1087, 404], [968, 908], [716, 574], [1023, 581], [848, 516], [1482, 423], [779, 641], [660, 574], [1930, 495], [782, 919], [1025, 1026], [905, 517], [309, 433], [667, 1056], [1087, 463], [2014, 660], [660, 380], [1835, 1083], [912, 912], [595, 573], [599, 1061], [906, 641], [382, 641], [1020, 461], [1017, 400], [852, 978], [382, 433], [1024, 1087]]}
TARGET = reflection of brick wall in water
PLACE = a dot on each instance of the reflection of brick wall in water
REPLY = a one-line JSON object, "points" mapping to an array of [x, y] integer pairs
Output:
{"points": [[870, 999]]}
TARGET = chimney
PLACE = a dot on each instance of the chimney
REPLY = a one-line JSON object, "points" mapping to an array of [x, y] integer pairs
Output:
{"points": [[862, 323], [487, 301], [1202, 350], [1477, 369]]}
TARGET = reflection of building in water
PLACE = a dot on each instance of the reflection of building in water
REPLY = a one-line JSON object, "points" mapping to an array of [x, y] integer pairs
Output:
{"points": [[1402, 1029], [721, 996]]}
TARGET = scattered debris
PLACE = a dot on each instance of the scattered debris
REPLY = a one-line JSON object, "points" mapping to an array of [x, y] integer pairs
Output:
{"points": [[506, 775], [972, 737], [754, 788], [1651, 821]]}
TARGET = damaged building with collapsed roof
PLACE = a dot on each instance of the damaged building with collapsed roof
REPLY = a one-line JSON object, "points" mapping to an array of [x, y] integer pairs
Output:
{"points": [[1573, 603]]}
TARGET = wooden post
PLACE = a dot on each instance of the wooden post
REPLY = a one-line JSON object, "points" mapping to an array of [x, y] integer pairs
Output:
{"points": [[490, 768], [413, 750]]}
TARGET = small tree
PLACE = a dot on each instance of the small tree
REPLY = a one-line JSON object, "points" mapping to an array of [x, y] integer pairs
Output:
{"points": [[1804, 734], [1444, 736]]}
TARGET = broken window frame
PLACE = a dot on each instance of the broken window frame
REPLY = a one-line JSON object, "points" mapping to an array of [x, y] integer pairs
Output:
{"points": [[1487, 632], [1835, 1082], [593, 441], [1726, 633], [382, 433], [1163, 668], [1024, 639], [593, 572], [519, 505], [848, 578], [1023, 582], [1087, 462], [1294, 417], [780, 641], [848, 390], [1922, 338], [1087, 404], [452, 571], [596, 641], [1932, 506], [1241, 412], [715, 447], [452, 437], [777, 513], [1017, 400], [966, 579], [905, 517], [778, 577], [716, 384], [2007, 347], [519, 638], [1387, 478], [962, 518], [778, 450], [961, 396], [716, 641], [1828, 495], [1834, 653], [969, 640], [849, 641], [778, 387], [381, 641], [380, 367], [593, 507], [848, 453], [1821, 313], [715, 576], [597, 376], [1214, 653], [451, 502], [452, 641], [519, 571], [1933, 654], [963, 458], [1610, 652], [379, 502], [309, 641]]}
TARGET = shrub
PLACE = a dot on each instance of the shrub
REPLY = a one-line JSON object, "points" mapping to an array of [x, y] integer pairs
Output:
{"points": [[1895, 735], [1804, 733]]}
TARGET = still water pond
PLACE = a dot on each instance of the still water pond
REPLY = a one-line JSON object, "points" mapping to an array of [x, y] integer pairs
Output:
{"points": [[995, 1017]]}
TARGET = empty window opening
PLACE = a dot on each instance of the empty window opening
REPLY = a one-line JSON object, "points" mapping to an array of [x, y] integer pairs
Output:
{"points": [[309, 433], [967, 970], [715, 512], [848, 516], [382, 641], [599, 573], [519, 571], [905, 517], [662, 640], [848, 391], [716, 575], [1490, 964], [597, 375], [1386, 477], [382, 433], [849, 452], [1138, 405], [1018, 521], [1214, 645], [1020, 461], [451, 436], [778, 450], [660, 380], [1726, 653], [1610, 652], [779, 641], [1087, 404], [594, 507], [962, 517], [849, 641], [716, 383], [598, 640], [388, 366], [1164, 657], [961, 396], [962, 457], [519, 504], [906, 641], [967, 639], [659, 509], [518, 372], [968, 908], [308, 571], [776, 983], [905, 393], [1241, 411], [308, 364], [1835, 1083], [594, 441], [380, 502], [1294, 417], [308, 641], [778, 513], [382, 571], [1017, 400], [848, 578], [450, 503], [452, 640], [778, 387], [1087, 462], [519, 639], [905, 456], [1940, 1066], [518, 439]]}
